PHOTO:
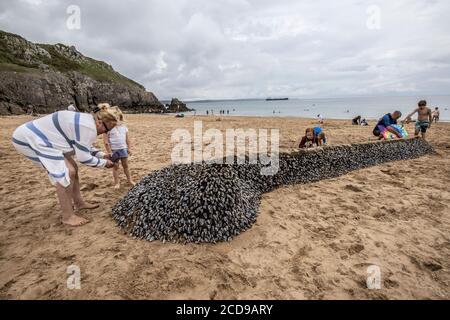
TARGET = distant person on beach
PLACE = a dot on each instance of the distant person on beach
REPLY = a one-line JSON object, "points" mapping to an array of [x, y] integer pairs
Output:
{"points": [[364, 122], [436, 114], [207, 112], [424, 118], [385, 123], [312, 136], [118, 145], [30, 110], [51, 142], [320, 118], [356, 121]]}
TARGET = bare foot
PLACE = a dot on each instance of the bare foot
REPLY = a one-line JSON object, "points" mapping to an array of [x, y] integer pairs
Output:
{"points": [[86, 205], [117, 186], [75, 221]]}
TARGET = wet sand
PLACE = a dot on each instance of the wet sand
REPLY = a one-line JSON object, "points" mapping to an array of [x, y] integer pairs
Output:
{"points": [[311, 241]]}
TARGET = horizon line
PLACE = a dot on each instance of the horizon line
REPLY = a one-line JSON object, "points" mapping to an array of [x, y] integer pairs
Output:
{"points": [[307, 98]]}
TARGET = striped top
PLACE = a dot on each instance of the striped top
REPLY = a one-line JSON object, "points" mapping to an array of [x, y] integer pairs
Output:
{"points": [[67, 131]]}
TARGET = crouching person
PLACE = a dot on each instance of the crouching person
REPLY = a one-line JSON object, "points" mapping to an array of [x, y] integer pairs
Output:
{"points": [[51, 142]]}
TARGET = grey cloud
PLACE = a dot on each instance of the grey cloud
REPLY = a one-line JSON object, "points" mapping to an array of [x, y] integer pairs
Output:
{"points": [[255, 48]]}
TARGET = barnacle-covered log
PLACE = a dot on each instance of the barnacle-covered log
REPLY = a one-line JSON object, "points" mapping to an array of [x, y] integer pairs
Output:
{"points": [[203, 202]]}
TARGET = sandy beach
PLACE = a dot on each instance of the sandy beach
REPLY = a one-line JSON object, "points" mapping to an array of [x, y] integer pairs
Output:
{"points": [[312, 241]]}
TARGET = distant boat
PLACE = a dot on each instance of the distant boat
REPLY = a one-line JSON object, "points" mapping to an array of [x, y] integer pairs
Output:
{"points": [[276, 99]]}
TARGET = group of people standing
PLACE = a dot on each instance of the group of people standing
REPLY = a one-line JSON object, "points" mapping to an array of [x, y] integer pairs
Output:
{"points": [[221, 112], [53, 141]]}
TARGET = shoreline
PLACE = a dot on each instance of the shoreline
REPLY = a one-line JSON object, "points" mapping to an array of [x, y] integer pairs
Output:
{"points": [[294, 117], [187, 115]]}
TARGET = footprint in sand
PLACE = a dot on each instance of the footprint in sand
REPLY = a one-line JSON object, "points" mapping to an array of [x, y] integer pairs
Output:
{"points": [[89, 187], [99, 193], [355, 248], [390, 172], [33, 182], [213, 294], [353, 188], [432, 266], [388, 283]]}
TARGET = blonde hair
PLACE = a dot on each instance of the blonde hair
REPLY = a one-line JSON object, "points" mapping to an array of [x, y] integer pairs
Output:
{"points": [[119, 113], [105, 112]]}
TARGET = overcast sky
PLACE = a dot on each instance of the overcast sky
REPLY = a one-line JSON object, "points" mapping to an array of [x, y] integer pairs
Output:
{"points": [[210, 49]]}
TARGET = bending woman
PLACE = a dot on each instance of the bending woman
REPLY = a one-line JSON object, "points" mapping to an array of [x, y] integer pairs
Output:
{"points": [[52, 141]]}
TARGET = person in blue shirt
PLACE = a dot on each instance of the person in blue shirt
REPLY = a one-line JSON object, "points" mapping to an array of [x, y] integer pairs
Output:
{"points": [[385, 123], [312, 136]]}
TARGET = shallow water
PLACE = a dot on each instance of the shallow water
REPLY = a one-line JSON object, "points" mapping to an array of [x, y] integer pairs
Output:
{"points": [[336, 108]]}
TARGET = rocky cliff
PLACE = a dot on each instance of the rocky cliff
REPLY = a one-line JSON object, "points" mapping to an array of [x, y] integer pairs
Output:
{"points": [[46, 78], [177, 106]]}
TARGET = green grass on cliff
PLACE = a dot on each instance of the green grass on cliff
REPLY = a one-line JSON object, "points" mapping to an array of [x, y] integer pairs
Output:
{"points": [[4, 66], [95, 69], [7, 59]]}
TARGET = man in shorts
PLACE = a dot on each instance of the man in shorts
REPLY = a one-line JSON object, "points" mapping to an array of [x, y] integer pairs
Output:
{"points": [[436, 115], [424, 118], [385, 123]]}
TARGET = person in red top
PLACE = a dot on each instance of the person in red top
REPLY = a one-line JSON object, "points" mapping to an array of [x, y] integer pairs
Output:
{"points": [[312, 136]]}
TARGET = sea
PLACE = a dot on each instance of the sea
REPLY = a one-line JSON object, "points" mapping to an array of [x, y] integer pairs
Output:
{"points": [[332, 108]]}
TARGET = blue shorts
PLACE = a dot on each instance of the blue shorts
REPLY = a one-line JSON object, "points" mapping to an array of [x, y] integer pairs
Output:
{"points": [[119, 154], [422, 126]]}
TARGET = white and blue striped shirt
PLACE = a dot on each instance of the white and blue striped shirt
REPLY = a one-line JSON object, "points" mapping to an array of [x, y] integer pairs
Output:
{"points": [[66, 131]]}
